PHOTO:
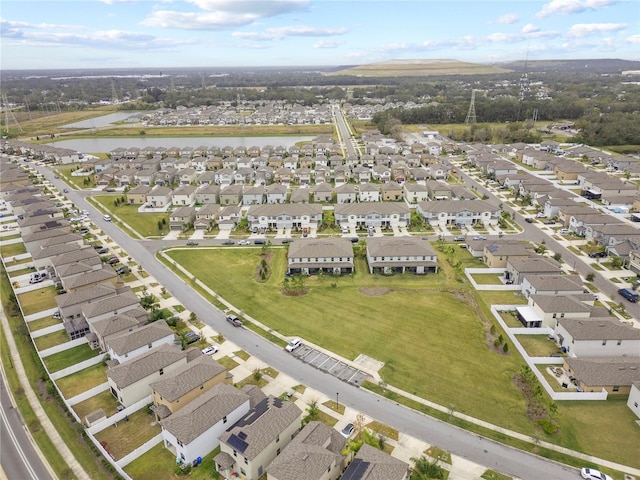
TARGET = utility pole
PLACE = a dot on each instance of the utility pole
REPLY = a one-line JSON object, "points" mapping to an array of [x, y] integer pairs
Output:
{"points": [[471, 115]]}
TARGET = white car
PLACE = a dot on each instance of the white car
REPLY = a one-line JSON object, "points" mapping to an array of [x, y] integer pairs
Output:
{"points": [[293, 344], [210, 350], [591, 474], [244, 242]]}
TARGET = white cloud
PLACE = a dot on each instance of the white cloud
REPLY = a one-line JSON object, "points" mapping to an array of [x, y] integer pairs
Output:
{"points": [[567, 7], [530, 28], [587, 29], [506, 19], [327, 44], [503, 37], [223, 14], [278, 33], [633, 39]]}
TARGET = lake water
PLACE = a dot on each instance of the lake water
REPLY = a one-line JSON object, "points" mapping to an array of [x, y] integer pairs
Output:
{"points": [[103, 145], [102, 121]]}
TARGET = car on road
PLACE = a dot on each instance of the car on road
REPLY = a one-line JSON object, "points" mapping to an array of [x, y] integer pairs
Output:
{"points": [[293, 344], [528, 220], [459, 238], [210, 350], [591, 474], [65, 190], [244, 242], [233, 320], [347, 430], [113, 260], [192, 242], [629, 294], [56, 177], [259, 241], [228, 242], [479, 237]]}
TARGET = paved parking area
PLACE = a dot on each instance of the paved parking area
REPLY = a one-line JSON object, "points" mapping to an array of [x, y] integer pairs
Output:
{"points": [[331, 365]]}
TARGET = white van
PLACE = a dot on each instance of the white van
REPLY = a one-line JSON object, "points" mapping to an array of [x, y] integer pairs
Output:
{"points": [[106, 218]]}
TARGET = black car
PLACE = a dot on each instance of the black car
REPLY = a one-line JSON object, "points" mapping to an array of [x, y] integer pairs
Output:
{"points": [[598, 254], [98, 247], [528, 220], [549, 222], [228, 242], [191, 337]]}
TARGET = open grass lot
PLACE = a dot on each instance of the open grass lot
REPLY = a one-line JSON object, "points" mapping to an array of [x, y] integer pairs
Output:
{"points": [[159, 464], [487, 279], [70, 357], [145, 225], [511, 320], [86, 379], [78, 181], [126, 436], [12, 249], [37, 300], [104, 401], [42, 323], [427, 330], [538, 345], [52, 339]]}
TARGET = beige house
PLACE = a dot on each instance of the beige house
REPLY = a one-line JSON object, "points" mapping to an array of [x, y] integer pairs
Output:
{"points": [[138, 195], [496, 254], [177, 389], [258, 438], [597, 337], [615, 375], [309, 256], [129, 345], [389, 255]]}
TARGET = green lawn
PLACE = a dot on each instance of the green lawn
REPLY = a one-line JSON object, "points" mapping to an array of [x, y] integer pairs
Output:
{"points": [[42, 323], [38, 300], [126, 436], [159, 464], [426, 329], [104, 401], [70, 357], [74, 384], [19, 262], [22, 271], [538, 345], [52, 339], [488, 279], [145, 224], [12, 249], [76, 182]]}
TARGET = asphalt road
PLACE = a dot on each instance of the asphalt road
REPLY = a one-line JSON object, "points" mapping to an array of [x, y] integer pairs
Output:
{"points": [[18, 457], [459, 442]]}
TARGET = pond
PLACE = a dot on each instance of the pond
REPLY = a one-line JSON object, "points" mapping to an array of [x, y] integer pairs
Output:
{"points": [[102, 121], [103, 145]]}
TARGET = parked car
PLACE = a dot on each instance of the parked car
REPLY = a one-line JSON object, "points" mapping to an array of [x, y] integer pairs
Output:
{"points": [[98, 247], [528, 220], [228, 242], [459, 238], [210, 350], [259, 241], [629, 294], [244, 242], [122, 269], [479, 237], [113, 260], [598, 254], [191, 337], [65, 190], [234, 320], [549, 222], [591, 474], [192, 242], [103, 250], [293, 344], [347, 430], [56, 314]]}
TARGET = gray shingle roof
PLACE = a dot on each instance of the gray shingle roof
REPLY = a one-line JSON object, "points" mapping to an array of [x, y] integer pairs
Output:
{"points": [[605, 371], [116, 324], [93, 276], [199, 415], [184, 380], [276, 209], [130, 341], [454, 206], [85, 295], [599, 329], [399, 246], [365, 208], [140, 367], [263, 424], [321, 248], [375, 465], [110, 304], [561, 303], [309, 455], [555, 282]]}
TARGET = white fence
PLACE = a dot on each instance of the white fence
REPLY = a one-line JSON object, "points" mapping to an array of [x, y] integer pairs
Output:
{"points": [[469, 272], [495, 309], [47, 330], [81, 397], [141, 450], [41, 314], [77, 367], [109, 458], [62, 347], [121, 415]]}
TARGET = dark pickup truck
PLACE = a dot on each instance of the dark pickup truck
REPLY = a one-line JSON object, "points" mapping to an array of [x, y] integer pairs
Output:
{"points": [[233, 320]]}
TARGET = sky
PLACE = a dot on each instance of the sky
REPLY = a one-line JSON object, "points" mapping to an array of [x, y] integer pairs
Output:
{"points": [[51, 34]]}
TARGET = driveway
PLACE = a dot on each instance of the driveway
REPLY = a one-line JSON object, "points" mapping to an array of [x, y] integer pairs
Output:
{"points": [[172, 235]]}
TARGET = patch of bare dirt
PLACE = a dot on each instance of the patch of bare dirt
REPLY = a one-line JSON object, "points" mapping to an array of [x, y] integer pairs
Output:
{"points": [[374, 291]]}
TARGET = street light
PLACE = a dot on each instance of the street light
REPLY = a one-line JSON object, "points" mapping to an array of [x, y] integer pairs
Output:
{"points": [[337, 402]]}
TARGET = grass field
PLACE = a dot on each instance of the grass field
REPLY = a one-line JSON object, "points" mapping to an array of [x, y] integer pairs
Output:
{"points": [[159, 464], [36, 325], [146, 225], [538, 345], [105, 401], [86, 379], [52, 339], [37, 300], [70, 357], [425, 329], [12, 249], [126, 436]]}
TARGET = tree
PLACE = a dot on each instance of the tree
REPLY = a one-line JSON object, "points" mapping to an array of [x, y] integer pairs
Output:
{"points": [[423, 469], [590, 277], [557, 256]]}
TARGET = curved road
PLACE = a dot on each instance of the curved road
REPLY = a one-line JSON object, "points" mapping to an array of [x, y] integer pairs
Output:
{"points": [[459, 442]]}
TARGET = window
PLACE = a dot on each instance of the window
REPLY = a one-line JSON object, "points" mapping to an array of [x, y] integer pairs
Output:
{"points": [[243, 472], [162, 371], [224, 419], [183, 457], [246, 461], [604, 342], [149, 346], [235, 454], [616, 388], [201, 387], [619, 342], [277, 438], [555, 315]]}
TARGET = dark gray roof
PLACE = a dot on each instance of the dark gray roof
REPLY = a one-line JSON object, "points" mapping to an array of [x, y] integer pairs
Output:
{"points": [[130, 341], [373, 464], [85, 295], [262, 425], [535, 264], [321, 248], [195, 373], [117, 323], [365, 208], [561, 303], [599, 329], [454, 206], [555, 282], [310, 454], [399, 246], [199, 415], [140, 367], [605, 371], [110, 304]]}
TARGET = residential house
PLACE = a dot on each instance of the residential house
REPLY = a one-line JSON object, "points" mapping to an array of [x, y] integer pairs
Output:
{"points": [[311, 255], [543, 310], [229, 217], [130, 382], [159, 197], [192, 431], [369, 192], [288, 215], [276, 193], [138, 195], [497, 253], [391, 192], [459, 212], [208, 194], [257, 439], [323, 193], [300, 195], [346, 193], [79, 276], [182, 218], [373, 464], [389, 255], [518, 268], [439, 190], [122, 302], [314, 454], [415, 192], [597, 337], [206, 216], [615, 375], [184, 195], [375, 214], [534, 284], [253, 195], [231, 195], [102, 330], [175, 390], [633, 401], [129, 345], [187, 176]]}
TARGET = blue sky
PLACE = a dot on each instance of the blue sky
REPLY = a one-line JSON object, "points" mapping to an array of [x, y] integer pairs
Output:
{"points": [[193, 33]]}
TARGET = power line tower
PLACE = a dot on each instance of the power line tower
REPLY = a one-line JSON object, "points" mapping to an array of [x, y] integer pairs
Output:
{"points": [[523, 86], [114, 95], [9, 117], [471, 115]]}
